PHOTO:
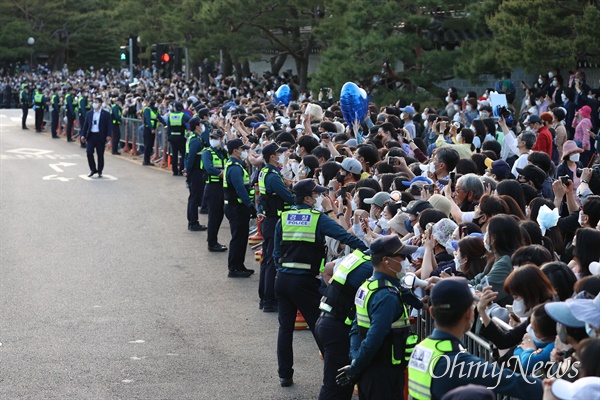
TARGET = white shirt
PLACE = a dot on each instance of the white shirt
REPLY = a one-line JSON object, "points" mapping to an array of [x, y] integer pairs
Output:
{"points": [[96, 122], [520, 163], [509, 146]]}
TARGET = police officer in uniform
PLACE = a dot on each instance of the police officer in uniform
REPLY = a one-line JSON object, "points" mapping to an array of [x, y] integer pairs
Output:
{"points": [[151, 121], [176, 135], [70, 109], [275, 197], [193, 173], [239, 207], [203, 113], [299, 255], [39, 100], [55, 111], [381, 339], [117, 119], [25, 99], [337, 314], [213, 161], [434, 358]]}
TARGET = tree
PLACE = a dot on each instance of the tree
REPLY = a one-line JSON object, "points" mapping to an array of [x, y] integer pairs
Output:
{"points": [[532, 34], [383, 46]]}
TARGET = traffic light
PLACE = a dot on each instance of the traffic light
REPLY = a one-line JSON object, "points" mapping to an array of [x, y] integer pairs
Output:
{"points": [[123, 56], [165, 58]]}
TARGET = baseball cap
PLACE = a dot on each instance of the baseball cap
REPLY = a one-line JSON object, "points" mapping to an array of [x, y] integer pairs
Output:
{"points": [[500, 168], [397, 223], [417, 207], [236, 144], [534, 174], [390, 245], [582, 389], [452, 293], [408, 109], [418, 179], [352, 165], [306, 187], [203, 112], [454, 243], [586, 310], [379, 199], [533, 119], [561, 313], [217, 134], [441, 203], [470, 392], [271, 149]]}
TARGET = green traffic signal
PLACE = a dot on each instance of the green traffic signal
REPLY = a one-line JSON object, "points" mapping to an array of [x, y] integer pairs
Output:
{"points": [[123, 57]]}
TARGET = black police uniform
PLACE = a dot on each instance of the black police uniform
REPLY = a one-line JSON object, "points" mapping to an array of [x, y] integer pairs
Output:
{"points": [[117, 113], [40, 105], [193, 166], [213, 161], [55, 111], [25, 99]]}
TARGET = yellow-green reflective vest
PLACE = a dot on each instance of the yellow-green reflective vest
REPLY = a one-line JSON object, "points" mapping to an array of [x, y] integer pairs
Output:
{"points": [[422, 364], [176, 123], [230, 193], [299, 246], [193, 136], [272, 204], [400, 342], [218, 163], [153, 117], [38, 98], [52, 100], [339, 297], [119, 112]]}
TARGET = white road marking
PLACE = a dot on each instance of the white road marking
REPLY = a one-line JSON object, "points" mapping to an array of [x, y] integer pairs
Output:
{"points": [[95, 178], [57, 166], [55, 177], [137, 341], [28, 151]]}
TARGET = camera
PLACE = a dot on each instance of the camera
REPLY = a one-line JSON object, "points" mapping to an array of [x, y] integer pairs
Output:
{"points": [[506, 115], [456, 124], [325, 136], [324, 89]]}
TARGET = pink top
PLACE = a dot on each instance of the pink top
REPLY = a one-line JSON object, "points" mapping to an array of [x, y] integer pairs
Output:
{"points": [[581, 134]]}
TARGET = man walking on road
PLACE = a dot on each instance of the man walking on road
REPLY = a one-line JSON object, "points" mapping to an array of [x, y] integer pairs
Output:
{"points": [[25, 100], [96, 128]]}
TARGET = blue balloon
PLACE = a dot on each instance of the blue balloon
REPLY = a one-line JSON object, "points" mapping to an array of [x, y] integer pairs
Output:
{"points": [[283, 95], [354, 103]]}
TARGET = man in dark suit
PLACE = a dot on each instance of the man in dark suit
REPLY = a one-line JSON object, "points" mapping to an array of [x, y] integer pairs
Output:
{"points": [[96, 128]]}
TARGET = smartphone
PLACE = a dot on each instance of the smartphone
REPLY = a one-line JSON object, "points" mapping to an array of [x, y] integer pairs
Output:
{"points": [[484, 282], [339, 159], [429, 188], [452, 181], [447, 270], [463, 232], [565, 180], [325, 136], [392, 160], [342, 193]]}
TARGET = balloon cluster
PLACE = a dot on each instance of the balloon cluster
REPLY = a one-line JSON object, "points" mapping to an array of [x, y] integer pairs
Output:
{"points": [[283, 95], [354, 103]]}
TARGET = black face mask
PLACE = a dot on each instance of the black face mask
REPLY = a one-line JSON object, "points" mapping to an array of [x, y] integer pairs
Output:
{"points": [[340, 178], [477, 221]]}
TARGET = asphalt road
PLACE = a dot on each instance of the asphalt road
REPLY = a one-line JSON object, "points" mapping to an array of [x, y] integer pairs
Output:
{"points": [[105, 294]]}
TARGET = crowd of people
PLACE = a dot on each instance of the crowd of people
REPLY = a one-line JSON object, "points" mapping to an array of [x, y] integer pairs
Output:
{"points": [[482, 222]]}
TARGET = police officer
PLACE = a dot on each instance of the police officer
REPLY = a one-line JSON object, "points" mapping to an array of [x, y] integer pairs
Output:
{"points": [[203, 113], [176, 135], [434, 358], [299, 254], [25, 99], [193, 173], [213, 161], [275, 197], [39, 100], [55, 111], [239, 207], [151, 121], [337, 313], [117, 119], [380, 337], [70, 108]]}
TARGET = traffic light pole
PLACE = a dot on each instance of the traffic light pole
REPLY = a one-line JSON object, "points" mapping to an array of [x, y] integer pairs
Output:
{"points": [[188, 76], [130, 59]]}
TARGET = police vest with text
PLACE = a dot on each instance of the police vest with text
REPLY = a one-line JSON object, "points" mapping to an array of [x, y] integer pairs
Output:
{"points": [[231, 196], [271, 203], [398, 344], [299, 246], [38, 99], [422, 364], [218, 163], [338, 299], [176, 123]]}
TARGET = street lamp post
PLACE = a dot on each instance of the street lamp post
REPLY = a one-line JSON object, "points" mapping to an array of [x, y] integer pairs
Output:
{"points": [[31, 42]]}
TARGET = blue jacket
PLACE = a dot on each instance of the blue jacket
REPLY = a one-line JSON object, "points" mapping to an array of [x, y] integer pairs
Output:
{"points": [[115, 113], [384, 307], [207, 161], [104, 124], [529, 359], [485, 374], [55, 103], [325, 227], [274, 184], [69, 103], [235, 178]]}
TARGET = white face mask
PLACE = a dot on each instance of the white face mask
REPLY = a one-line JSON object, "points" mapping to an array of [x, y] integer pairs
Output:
{"points": [[590, 96], [353, 205], [563, 97], [486, 244], [538, 102], [469, 108], [319, 201], [574, 157], [417, 230], [550, 75], [484, 114], [519, 309], [244, 155], [580, 219], [384, 223], [447, 99], [426, 124], [103, 105], [400, 274], [95, 105], [540, 81], [215, 143], [555, 83], [432, 167], [456, 107], [321, 180], [457, 264], [590, 330], [527, 102], [536, 340], [281, 159], [298, 151], [424, 116]]}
